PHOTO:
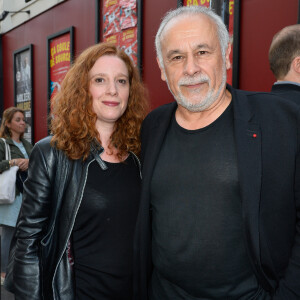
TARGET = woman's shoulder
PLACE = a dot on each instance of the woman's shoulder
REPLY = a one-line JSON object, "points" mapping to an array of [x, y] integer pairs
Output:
{"points": [[6, 140], [1, 144], [44, 146], [45, 142], [47, 149]]}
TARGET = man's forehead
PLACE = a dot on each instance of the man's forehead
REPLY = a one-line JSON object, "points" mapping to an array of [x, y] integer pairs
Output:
{"points": [[187, 22], [190, 32]]}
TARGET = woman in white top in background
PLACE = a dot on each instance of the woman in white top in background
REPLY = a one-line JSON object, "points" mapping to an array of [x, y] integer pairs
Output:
{"points": [[12, 130]]}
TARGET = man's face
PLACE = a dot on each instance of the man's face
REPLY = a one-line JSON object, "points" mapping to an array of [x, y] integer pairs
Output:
{"points": [[194, 68]]}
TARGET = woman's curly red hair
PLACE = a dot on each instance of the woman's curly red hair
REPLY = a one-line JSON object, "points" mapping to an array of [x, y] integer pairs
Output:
{"points": [[73, 125]]}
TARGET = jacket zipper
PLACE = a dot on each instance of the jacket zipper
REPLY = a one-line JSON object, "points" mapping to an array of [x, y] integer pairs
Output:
{"points": [[71, 229], [139, 163]]}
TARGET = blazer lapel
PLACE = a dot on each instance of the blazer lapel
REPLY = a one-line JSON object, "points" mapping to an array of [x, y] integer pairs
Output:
{"points": [[152, 138], [248, 144], [249, 155], [156, 135]]}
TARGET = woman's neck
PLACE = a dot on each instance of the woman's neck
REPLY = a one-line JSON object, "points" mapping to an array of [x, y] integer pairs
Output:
{"points": [[105, 131], [16, 138], [110, 153]]}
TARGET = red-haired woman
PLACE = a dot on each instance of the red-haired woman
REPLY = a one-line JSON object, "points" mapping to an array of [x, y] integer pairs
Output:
{"points": [[74, 237]]}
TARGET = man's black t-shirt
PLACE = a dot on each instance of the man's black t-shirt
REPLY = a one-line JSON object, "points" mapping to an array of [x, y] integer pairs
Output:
{"points": [[198, 246]]}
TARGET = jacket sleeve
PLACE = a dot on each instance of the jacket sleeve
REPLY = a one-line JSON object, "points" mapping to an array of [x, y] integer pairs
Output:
{"points": [[4, 164], [32, 225], [289, 285]]}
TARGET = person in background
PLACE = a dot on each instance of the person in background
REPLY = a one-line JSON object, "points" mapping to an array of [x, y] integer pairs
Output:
{"points": [[220, 200], [12, 130], [74, 237], [284, 59]]}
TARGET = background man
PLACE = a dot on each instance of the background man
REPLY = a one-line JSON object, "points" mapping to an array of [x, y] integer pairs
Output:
{"points": [[284, 59], [220, 205]]}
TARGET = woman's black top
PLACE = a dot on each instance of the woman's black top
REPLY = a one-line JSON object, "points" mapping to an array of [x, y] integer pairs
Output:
{"points": [[103, 232]]}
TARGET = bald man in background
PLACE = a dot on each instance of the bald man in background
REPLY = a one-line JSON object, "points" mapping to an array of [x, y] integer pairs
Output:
{"points": [[284, 59]]}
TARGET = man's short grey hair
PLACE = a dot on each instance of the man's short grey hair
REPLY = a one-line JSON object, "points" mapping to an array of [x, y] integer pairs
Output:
{"points": [[192, 10]]}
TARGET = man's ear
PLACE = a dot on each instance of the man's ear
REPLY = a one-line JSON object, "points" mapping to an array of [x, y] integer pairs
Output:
{"points": [[296, 65], [227, 57], [162, 71]]}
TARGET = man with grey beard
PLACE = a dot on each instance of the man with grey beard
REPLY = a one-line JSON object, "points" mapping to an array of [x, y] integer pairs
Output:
{"points": [[220, 204]]}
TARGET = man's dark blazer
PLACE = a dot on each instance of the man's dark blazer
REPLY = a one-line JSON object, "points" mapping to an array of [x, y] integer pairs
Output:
{"points": [[288, 91], [267, 133]]}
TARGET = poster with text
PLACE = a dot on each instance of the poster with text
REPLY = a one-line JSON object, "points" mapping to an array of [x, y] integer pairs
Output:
{"points": [[120, 22], [113, 38], [23, 86], [128, 42], [196, 3], [60, 61]]}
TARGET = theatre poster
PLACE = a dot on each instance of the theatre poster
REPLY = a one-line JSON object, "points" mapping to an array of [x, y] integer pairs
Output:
{"points": [[23, 86]]}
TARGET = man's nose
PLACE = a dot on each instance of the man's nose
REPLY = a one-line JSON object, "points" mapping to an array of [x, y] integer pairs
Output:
{"points": [[191, 66]]}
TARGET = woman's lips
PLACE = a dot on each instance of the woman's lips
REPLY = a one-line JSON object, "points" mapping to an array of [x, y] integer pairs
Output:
{"points": [[110, 103]]}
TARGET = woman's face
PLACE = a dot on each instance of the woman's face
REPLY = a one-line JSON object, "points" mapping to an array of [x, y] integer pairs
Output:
{"points": [[109, 87], [17, 125]]}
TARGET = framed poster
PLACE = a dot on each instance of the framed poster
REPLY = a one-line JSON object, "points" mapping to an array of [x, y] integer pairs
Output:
{"points": [[230, 13], [23, 95], [121, 23], [1, 80], [59, 59]]}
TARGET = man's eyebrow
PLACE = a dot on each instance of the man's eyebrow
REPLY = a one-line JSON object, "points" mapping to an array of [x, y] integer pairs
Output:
{"points": [[173, 52], [203, 46], [198, 47]]}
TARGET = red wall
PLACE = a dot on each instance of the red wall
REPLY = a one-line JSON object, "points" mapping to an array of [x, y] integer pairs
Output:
{"points": [[260, 20], [153, 11], [75, 13]]}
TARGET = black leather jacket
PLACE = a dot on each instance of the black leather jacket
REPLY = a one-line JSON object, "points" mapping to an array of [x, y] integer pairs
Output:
{"points": [[39, 266]]}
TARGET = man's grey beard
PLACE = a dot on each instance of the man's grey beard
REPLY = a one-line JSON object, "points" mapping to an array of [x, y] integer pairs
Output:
{"points": [[208, 99]]}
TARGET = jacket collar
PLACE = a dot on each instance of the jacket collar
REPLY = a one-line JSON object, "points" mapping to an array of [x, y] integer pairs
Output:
{"points": [[96, 150], [241, 106], [285, 87], [11, 142]]}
